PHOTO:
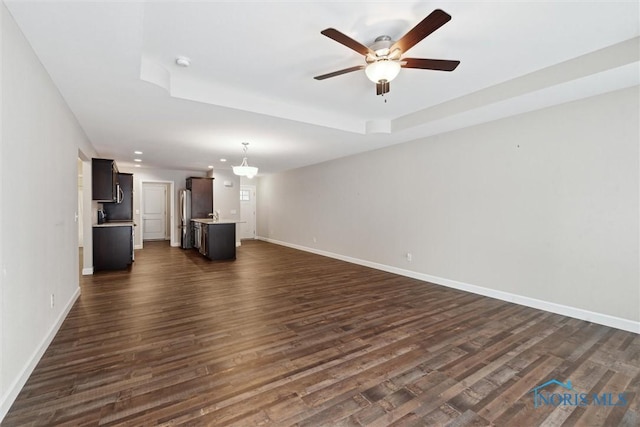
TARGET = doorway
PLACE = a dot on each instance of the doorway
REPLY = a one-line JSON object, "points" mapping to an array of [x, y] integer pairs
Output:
{"points": [[247, 212], [80, 217], [80, 211], [84, 215], [155, 209]]}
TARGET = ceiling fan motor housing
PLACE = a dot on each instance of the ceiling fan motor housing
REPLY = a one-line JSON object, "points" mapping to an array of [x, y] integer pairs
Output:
{"points": [[381, 46]]}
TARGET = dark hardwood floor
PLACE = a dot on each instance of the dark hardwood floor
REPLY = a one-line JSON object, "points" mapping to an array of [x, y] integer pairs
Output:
{"points": [[283, 337]]}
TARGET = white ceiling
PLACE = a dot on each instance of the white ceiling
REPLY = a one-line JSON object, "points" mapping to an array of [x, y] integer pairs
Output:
{"points": [[253, 63]]}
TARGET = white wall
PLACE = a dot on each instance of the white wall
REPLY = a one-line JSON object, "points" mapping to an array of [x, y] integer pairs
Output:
{"points": [[6, 398], [39, 246], [541, 208], [226, 200]]}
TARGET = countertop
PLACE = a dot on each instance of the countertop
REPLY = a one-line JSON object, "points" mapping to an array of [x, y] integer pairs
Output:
{"points": [[211, 221], [116, 224]]}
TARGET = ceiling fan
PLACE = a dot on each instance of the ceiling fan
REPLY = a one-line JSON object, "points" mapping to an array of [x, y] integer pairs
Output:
{"points": [[383, 59]]}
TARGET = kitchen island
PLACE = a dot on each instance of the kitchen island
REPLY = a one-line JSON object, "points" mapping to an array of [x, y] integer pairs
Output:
{"points": [[113, 245], [215, 240]]}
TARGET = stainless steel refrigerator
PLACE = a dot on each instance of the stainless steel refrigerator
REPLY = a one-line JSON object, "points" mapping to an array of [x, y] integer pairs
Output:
{"points": [[186, 239]]}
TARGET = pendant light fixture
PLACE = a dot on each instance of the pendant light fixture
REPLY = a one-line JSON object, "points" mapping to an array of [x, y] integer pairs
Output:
{"points": [[244, 169]]}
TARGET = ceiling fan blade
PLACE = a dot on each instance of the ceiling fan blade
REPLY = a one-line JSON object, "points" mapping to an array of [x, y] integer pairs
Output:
{"points": [[430, 64], [339, 72], [344, 39], [428, 25]]}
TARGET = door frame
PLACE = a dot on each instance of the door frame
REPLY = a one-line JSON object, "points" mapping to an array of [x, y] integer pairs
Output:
{"points": [[254, 190], [171, 213], [88, 215], [160, 217]]}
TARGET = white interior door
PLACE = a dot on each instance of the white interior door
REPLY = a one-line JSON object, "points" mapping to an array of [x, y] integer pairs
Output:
{"points": [[247, 212], [154, 211]]}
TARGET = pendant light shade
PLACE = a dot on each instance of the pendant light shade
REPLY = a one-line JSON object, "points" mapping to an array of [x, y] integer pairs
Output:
{"points": [[244, 169]]}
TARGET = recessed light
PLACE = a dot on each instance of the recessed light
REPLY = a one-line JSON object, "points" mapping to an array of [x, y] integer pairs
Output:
{"points": [[223, 160], [210, 167], [137, 152], [137, 160], [137, 166]]}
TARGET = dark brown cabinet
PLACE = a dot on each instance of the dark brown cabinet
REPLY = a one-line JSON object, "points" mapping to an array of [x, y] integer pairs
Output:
{"points": [[122, 211], [112, 247], [218, 241], [201, 196], [104, 180]]}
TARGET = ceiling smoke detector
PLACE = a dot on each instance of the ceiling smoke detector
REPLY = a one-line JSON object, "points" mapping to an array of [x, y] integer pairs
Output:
{"points": [[183, 61]]}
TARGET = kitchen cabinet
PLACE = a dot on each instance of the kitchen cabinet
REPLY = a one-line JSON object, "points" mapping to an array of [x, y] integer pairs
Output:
{"points": [[201, 196], [122, 211], [218, 240], [112, 247], [221, 241], [104, 180]]}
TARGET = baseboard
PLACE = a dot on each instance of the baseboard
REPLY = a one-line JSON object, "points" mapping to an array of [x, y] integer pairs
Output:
{"points": [[137, 247], [574, 312], [87, 271], [14, 389], [238, 243]]}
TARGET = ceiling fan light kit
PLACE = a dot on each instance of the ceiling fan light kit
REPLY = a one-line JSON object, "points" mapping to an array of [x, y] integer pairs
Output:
{"points": [[244, 169], [384, 57], [383, 70]]}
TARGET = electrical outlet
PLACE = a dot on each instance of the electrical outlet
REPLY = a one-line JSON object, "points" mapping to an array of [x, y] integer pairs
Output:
{"points": [[53, 300], [409, 257], [315, 240]]}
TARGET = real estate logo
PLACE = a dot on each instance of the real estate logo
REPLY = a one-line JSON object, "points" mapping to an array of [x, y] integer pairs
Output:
{"points": [[544, 398]]}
